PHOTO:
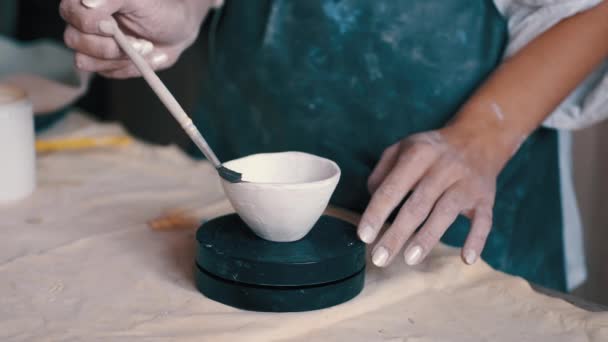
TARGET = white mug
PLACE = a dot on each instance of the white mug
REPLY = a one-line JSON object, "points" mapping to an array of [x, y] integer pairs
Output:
{"points": [[17, 145]]}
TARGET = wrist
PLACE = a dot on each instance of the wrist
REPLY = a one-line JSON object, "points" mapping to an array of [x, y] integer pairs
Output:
{"points": [[485, 132]]}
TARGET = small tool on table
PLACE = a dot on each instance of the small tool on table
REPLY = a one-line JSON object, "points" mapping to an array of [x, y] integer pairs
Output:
{"points": [[63, 144]]}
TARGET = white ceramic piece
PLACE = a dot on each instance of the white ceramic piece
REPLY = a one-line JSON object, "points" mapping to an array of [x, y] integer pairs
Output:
{"points": [[284, 194], [17, 154]]}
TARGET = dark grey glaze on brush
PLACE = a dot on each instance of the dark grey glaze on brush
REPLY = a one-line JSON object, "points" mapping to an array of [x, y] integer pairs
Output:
{"points": [[230, 175]]}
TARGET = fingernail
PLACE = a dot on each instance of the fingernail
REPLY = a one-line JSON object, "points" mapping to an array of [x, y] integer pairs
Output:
{"points": [[93, 3], [380, 257], [159, 59], [218, 3], [106, 26], [146, 46], [470, 256], [412, 255], [366, 234]]}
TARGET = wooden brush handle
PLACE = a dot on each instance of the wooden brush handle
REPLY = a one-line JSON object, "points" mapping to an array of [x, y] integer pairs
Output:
{"points": [[110, 27]]}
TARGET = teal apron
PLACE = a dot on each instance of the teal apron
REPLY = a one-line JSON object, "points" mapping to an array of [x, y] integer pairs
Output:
{"points": [[346, 79]]}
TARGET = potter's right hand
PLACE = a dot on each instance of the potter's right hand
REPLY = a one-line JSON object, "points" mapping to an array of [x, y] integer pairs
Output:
{"points": [[160, 30]]}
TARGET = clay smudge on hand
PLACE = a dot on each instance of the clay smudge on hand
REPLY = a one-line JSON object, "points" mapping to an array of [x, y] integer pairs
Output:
{"points": [[500, 115]]}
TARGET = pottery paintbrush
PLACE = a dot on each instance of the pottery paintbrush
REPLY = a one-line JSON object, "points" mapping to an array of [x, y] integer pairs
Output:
{"points": [[111, 28]]}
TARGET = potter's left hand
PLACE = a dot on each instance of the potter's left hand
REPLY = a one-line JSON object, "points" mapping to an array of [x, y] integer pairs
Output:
{"points": [[453, 171], [448, 172]]}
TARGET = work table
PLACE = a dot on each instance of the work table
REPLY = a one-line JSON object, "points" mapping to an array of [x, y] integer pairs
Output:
{"points": [[78, 261]]}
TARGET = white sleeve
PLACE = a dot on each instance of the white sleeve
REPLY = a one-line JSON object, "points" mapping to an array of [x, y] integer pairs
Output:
{"points": [[527, 19]]}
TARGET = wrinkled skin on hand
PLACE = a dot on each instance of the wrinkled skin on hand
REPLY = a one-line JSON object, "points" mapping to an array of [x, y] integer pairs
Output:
{"points": [[448, 173], [158, 29]]}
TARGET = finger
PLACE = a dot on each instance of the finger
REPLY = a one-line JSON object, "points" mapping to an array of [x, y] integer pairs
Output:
{"points": [[102, 47], [158, 61], [92, 64], [85, 15], [91, 45], [121, 74], [415, 210], [481, 225], [410, 166], [446, 211], [385, 165]]}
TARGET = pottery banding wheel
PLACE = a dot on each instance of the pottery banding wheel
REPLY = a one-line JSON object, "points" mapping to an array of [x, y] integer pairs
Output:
{"points": [[237, 268]]}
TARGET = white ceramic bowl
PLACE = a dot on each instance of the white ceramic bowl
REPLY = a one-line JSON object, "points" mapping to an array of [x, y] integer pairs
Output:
{"points": [[284, 194]]}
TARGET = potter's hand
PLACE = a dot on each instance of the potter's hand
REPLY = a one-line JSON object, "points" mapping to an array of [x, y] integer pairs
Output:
{"points": [[159, 30], [453, 171], [448, 172]]}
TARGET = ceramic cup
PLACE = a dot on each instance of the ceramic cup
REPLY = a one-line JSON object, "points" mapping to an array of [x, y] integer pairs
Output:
{"points": [[284, 194], [17, 141]]}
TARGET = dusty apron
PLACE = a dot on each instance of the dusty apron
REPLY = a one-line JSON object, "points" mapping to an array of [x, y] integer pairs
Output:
{"points": [[346, 79]]}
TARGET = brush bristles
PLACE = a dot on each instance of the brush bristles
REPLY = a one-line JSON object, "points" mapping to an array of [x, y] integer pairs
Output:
{"points": [[230, 175]]}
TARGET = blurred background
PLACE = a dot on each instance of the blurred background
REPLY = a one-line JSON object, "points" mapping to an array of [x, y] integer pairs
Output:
{"points": [[146, 118]]}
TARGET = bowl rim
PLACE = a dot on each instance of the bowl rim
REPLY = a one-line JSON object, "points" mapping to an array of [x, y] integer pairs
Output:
{"points": [[336, 172]]}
